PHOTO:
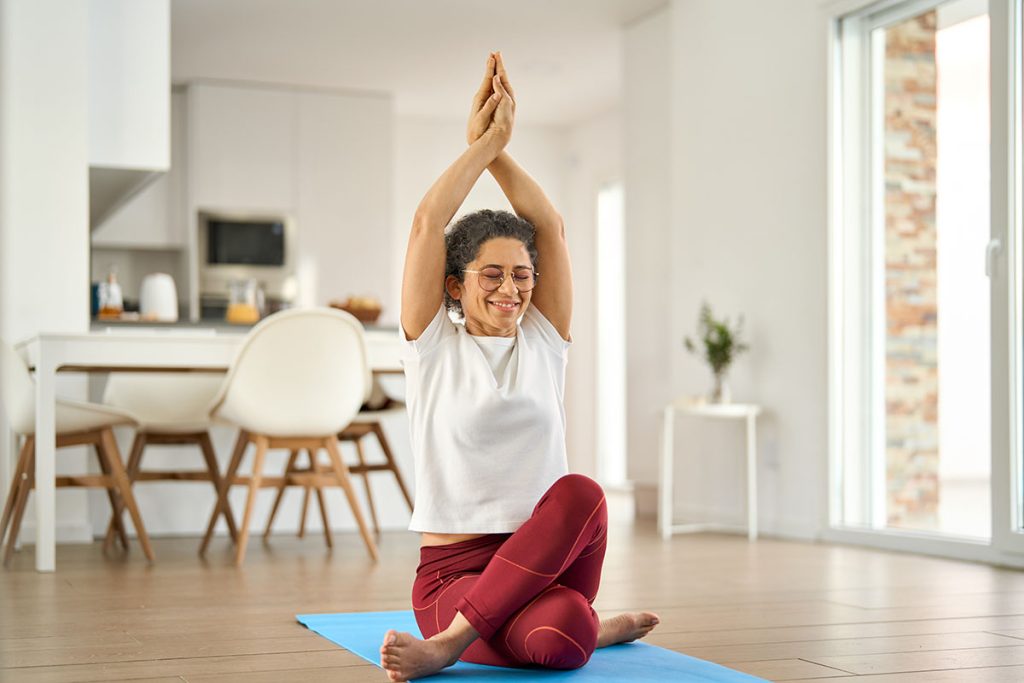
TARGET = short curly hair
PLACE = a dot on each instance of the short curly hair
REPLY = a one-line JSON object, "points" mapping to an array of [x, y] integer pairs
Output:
{"points": [[464, 238]]}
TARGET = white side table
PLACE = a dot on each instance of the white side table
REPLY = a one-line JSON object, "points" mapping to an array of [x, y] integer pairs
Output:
{"points": [[688, 406]]}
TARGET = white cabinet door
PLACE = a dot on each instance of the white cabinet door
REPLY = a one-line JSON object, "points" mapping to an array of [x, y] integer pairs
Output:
{"points": [[129, 84], [241, 148], [155, 217], [343, 194]]}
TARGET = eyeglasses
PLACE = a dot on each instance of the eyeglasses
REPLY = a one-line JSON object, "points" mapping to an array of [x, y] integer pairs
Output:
{"points": [[492, 278]]}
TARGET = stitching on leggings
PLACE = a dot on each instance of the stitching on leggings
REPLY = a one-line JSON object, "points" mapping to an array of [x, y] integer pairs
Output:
{"points": [[526, 569], [589, 517], [508, 631], [561, 633], [465, 576], [580, 557], [565, 561]]}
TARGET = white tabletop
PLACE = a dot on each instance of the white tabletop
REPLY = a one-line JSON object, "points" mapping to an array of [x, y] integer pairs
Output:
{"points": [[174, 348], [699, 406]]}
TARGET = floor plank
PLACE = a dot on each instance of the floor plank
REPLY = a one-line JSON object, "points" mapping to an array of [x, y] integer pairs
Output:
{"points": [[849, 647], [999, 674], [788, 669], [927, 661]]}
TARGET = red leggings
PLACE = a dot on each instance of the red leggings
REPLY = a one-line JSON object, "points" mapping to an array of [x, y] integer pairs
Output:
{"points": [[528, 594]]}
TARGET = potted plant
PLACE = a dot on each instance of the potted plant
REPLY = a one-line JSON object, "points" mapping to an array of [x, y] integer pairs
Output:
{"points": [[720, 345]]}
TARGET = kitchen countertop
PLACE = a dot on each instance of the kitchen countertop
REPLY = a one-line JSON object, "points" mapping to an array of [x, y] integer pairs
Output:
{"points": [[219, 325]]}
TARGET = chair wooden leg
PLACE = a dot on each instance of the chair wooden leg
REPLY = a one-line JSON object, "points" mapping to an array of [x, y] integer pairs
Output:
{"points": [[28, 482], [222, 504], [341, 471], [305, 509], [378, 431], [206, 446], [134, 464], [19, 477], [280, 491], [250, 502], [108, 449], [366, 484], [115, 526], [315, 466]]}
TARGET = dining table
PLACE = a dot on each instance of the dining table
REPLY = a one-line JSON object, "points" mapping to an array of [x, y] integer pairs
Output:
{"points": [[118, 349]]}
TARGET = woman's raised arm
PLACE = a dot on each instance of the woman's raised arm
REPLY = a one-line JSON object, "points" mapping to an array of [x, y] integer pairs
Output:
{"points": [[423, 278], [553, 294]]}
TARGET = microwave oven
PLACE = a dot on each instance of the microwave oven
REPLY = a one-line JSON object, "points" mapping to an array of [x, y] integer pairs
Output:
{"points": [[244, 246]]}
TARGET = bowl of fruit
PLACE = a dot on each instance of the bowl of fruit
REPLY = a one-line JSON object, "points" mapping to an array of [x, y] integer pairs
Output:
{"points": [[366, 309]]}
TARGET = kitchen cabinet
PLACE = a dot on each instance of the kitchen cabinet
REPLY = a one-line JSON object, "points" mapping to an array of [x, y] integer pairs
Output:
{"points": [[155, 217], [129, 84], [343, 194], [129, 67], [241, 148], [322, 158]]}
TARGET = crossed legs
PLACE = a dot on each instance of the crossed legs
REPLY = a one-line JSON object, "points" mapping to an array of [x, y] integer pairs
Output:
{"points": [[528, 602]]}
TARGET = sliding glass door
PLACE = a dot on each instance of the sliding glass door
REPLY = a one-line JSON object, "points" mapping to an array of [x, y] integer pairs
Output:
{"points": [[1007, 270], [925, 263]]}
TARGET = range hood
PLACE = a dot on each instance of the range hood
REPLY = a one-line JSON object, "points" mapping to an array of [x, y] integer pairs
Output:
{"points": [[110, 188]]}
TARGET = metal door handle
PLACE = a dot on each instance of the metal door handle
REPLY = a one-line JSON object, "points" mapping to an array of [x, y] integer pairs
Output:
{"points": [[993, 247]]}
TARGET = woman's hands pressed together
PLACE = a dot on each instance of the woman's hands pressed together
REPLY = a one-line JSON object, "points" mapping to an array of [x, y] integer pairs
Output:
{"points": [[493, 109]]}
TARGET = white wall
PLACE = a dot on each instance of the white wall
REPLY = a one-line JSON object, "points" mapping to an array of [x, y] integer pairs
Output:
{"points": [[651, 301], [594, 158], [745, 129], [44, 201]]}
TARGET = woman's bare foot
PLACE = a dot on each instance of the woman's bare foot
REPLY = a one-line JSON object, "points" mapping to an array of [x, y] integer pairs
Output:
{"points": [[626, 628], [404, 656]]}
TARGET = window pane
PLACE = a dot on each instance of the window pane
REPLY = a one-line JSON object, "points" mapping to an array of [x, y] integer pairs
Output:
{"points": [[932, 356]]}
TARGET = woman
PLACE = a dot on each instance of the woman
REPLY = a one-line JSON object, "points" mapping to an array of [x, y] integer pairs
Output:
{"points": [[503, 579]]}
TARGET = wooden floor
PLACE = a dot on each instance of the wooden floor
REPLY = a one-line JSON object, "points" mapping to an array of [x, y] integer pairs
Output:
{"points": [[784, 611]]}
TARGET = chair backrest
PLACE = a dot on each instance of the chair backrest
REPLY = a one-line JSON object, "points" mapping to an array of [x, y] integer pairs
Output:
{"points": [[17, 391], [164, 396], [301, 372]]}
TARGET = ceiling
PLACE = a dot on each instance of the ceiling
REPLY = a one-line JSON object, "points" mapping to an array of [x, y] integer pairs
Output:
{"points": [[564, 56]]}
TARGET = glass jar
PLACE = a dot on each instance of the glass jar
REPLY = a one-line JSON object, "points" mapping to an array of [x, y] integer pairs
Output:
{"points": [[244, 299], [111, 301]]}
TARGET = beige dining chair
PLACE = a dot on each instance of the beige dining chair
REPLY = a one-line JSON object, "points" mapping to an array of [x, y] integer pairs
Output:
{"points": [[376, 405], [170, 408], [77, 423], [297, 382]]}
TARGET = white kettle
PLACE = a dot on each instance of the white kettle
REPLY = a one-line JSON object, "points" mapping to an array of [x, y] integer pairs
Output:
{"points": [[158, 298]]}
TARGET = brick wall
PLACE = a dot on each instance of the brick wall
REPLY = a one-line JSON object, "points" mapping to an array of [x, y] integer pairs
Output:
{"points": [[911, 368]]}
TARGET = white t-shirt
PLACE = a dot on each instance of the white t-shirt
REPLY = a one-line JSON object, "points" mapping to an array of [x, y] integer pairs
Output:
{"points": [[498, 352], [487, 423]]}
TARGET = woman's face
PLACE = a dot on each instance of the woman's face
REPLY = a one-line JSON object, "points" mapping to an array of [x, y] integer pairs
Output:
{"points": [[493, 314]]}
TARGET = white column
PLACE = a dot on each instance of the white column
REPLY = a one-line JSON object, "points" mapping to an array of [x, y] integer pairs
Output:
{"points": [[44, 201], [665, 489]]}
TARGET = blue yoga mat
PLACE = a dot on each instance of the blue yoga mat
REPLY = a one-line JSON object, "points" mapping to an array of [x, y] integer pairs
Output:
{"points": [[362, 633]]}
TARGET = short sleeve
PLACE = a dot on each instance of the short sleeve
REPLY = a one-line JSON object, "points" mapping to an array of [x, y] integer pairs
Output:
{"points": [[440, 328], [536, 325]]}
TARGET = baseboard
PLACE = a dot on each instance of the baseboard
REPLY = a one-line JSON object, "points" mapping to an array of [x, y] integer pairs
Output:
{"points": [[645, 500], [66, 532], [645, 497]]}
